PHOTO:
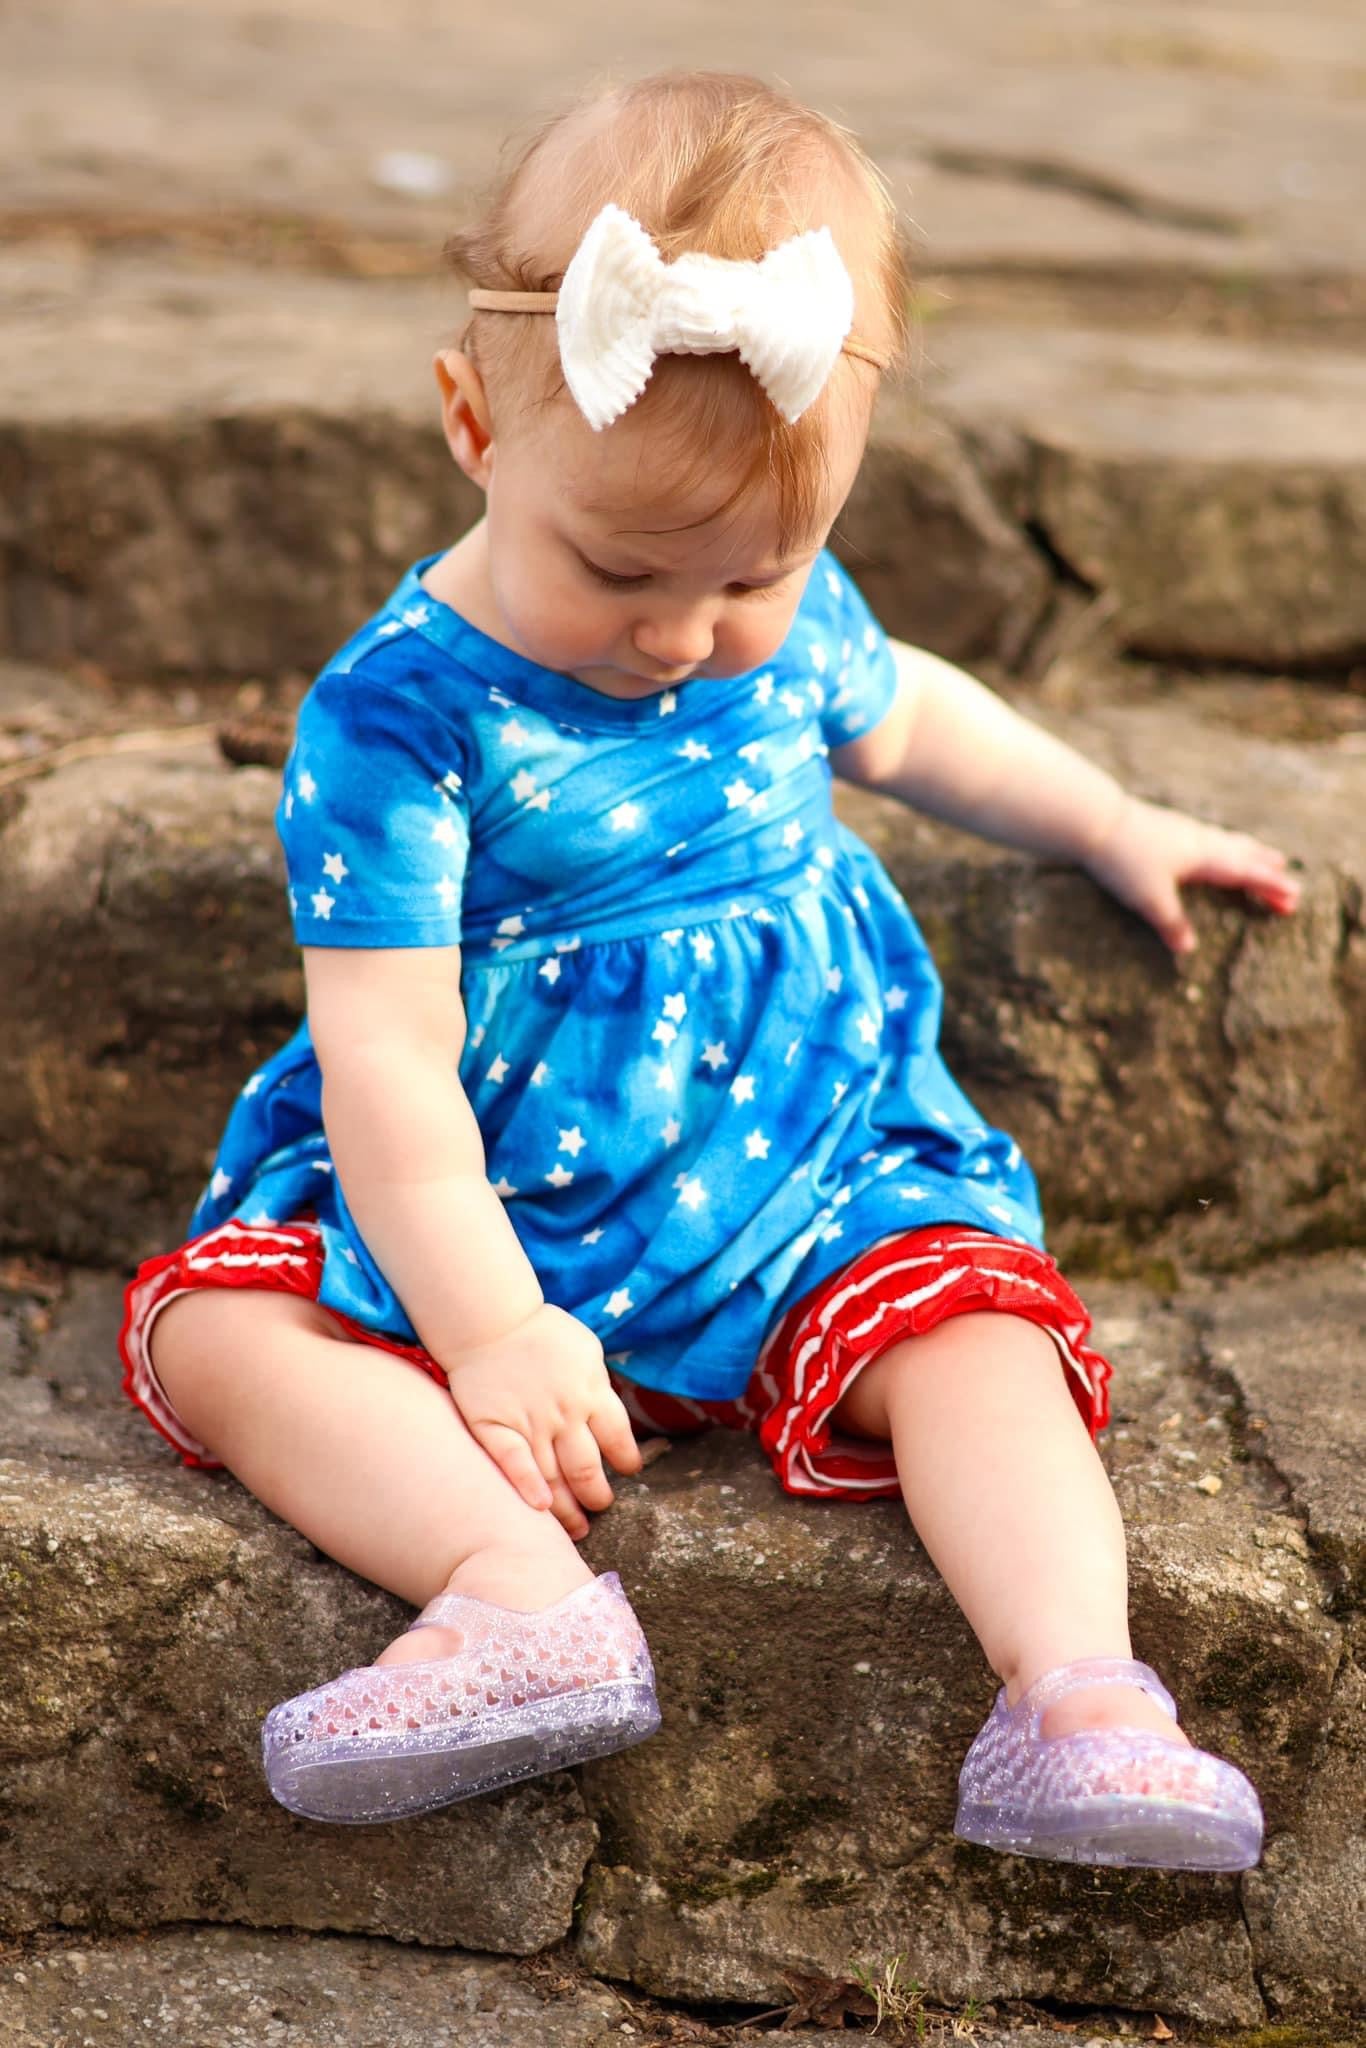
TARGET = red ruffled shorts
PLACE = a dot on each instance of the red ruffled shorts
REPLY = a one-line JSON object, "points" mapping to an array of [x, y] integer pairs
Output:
{"points": [[900, 1288]]}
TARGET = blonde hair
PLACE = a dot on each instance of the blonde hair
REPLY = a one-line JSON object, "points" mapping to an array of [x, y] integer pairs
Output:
{"points": [[706, 161]]}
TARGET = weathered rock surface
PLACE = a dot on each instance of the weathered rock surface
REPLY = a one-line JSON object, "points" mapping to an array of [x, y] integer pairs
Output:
{"points": [[818, 1687], [219, 1987], [261, 459], [150, 964]]}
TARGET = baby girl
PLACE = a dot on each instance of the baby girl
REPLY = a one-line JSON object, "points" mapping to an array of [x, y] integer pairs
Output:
{"points": [[618, 1103]]}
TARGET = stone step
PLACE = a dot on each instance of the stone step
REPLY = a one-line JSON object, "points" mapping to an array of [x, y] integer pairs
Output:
{"points": [[259, 460], [1209, 1113], [229, 1987], [791, 1819], [1124, 135]]}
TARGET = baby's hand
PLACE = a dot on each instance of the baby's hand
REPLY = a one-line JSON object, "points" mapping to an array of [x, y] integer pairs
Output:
{"points": [[1149, 851], [539, 1401]]}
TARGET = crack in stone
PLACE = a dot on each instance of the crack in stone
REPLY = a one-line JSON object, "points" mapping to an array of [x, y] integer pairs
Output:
{"points": [[1058, 175]]}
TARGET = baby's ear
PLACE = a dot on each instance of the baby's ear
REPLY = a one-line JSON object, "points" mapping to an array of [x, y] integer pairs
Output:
{"points": [[465, 416]]}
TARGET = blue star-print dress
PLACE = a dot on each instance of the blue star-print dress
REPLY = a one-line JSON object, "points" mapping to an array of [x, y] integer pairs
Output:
{"points": [[703, 1024]]}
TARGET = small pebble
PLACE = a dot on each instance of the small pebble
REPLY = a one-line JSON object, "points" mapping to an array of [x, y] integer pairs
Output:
{"points": [[1211, 1483]]}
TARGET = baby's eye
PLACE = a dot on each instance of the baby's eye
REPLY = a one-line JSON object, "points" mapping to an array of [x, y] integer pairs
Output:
{"points": [[613, 582]]}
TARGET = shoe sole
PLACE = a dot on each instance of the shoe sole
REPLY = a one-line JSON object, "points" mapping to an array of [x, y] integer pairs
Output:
{"points": [[353, 1782], [1138, 1834]]}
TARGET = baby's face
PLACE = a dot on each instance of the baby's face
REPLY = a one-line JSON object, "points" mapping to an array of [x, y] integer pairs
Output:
{"points": [[597, 571]]}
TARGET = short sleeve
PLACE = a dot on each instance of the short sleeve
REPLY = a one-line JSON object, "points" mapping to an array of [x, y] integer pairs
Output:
{"points": [[373, 818], [860, 673]]}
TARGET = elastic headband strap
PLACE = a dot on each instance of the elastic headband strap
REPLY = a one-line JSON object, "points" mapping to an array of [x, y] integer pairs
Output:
{"points": [[482, 301]]}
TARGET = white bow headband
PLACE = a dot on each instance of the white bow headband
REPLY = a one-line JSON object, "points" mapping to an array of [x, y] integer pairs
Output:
{"points": [[787, 316]]}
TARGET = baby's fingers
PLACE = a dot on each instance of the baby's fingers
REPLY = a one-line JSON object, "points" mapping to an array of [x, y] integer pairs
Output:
{"points": [[512, 1454], [581, 1464], [1236, 862], [611, 1426]]}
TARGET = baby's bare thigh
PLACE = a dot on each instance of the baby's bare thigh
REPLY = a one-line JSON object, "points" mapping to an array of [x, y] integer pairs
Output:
{"points": [[201, 1336]]}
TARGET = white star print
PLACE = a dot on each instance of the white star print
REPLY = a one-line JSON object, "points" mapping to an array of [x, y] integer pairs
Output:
{"points": [[550, 970], [321, 1165], [867, 1029], [590, 1237], [841, 1090], [670, 851], [793, 1049], [665, 1082], [834, 981], [737, 793], [742, 1088], [818, 657], [261, 1219], [672, 938], [870, 639], [416, 615], [832, 583], [289, 803], [693, 1194], [572, 1141], [704, 948], [763, 690], [219, 1185], [676, 1007], [665, 1033], [540, 1074], [451, 781], [895, 998], [750, 751], [308, 788], [514, 733], [1012, 1158], [503, 1188], [559, 1176], [672, 1131], [829, 1236], [322, 904], [523, 785], [618, 1303], [499, 1070], [541, 801], [497, 697], [568, 945], [625, 817], [668, 702], [794, 833], [447, 891], [825, 856], [891, 1162], [477, 1036], [389, 627], [513, 925], [1001, 1215], [444, 832], [715, 1056], [794, 705], [914, 1194], [757, 1145], [694, 750], [256, 1081]]}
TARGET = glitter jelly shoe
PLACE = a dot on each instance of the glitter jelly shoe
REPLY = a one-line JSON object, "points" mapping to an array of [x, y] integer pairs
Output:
{"points": [[1103, 1795], [526, 1693]]}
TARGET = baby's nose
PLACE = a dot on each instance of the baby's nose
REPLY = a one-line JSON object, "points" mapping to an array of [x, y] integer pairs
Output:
{"points": [[678, 641]]}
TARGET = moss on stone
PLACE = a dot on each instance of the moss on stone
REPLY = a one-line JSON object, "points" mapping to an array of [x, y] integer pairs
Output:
{"points": [[1327, 2034], [772, 1830], [822, 1892]]}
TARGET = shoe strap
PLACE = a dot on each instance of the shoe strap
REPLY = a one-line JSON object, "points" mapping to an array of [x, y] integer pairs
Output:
{"points": [[1089, 1671], [452, 1610]]}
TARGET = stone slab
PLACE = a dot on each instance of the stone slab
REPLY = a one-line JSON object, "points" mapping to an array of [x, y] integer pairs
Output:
{"points": [[1115, 133], [817, 1684], [1216, 1108], [230, 1988], [259, 460], [1294, 1346]]}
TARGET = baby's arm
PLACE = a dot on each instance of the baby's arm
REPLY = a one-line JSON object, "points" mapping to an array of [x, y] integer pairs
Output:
{"points": [[529, 1380], [953, 748]]}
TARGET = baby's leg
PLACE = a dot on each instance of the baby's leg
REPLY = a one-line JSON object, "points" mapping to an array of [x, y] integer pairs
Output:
{"points": [[363, 1453], [1012, 1503]]}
